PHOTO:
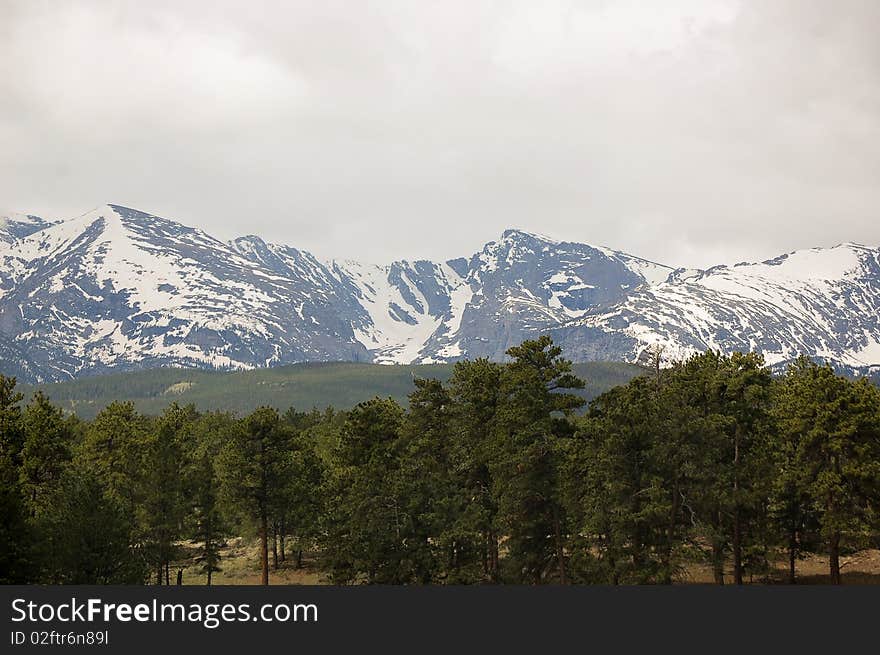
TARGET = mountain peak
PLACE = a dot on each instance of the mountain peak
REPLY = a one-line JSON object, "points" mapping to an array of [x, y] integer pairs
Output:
{"points": [[116, 207], [119, 288], [836, 262], [16, 226], [515, 234], [135, 216], [109, 213], [249, 241]]}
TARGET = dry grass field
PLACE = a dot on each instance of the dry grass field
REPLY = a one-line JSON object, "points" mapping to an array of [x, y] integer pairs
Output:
{"points": [[860, 568], [241, 566]]}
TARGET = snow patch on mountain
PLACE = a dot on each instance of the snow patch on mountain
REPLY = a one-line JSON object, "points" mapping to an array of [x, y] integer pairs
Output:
{"points": [[399, 319], [821, 302], [117, 288], [14, 226]]}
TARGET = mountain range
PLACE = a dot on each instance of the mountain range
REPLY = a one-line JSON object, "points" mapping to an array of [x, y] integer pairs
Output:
{"points": [[119, 289]]}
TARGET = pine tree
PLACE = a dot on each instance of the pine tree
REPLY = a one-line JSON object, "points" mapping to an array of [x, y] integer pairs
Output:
{"points": [[730, 396], [165, 485], [599, 494], [46, 451], [745, 403], [475, 394], [437, 549], [114, 447], [832, 426], [628, 481], [531, 429], [793, 518], [252, 468], [208, 528], [298, 504], [15, 536], [16, 539], [11, 432], [86, 535], [365, 520]]}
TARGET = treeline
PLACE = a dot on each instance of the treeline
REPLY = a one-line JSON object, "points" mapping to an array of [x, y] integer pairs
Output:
{"points": [[495, 476]]}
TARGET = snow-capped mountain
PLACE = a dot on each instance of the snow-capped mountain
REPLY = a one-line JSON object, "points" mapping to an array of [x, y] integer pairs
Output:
{"points": [[16, 226], [516, 287], [821, 302], [119, 289]]}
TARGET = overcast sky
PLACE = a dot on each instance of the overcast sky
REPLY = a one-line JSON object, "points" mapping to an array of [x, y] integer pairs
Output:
{"points": [[692, 133]]}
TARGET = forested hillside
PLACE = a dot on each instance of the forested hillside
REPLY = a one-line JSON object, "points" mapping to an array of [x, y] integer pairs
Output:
{"points": [[341, 385], [493, 475]]}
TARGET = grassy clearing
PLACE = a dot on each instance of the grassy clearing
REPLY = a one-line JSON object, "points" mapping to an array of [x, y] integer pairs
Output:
{"points": [[241, 566], [860, 568]]}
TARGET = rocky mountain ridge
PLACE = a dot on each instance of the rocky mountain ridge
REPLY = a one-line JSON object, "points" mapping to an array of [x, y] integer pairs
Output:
{"points": [[121, 289]]}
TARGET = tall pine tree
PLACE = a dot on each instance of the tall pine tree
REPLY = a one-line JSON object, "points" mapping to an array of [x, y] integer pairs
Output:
{"points": [[832, 427], [531, 427]]}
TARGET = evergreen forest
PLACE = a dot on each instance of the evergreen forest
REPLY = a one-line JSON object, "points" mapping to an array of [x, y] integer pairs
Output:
{"points": [[501, 473]]}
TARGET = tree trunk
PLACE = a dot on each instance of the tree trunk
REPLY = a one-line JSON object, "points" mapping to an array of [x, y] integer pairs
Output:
{"points": [[209, 576], [718, 562], [834, 541], [179, 577], [737, 528], [264, 548], [299, 558], [281, 540], [737, 549], [670, 536], [167, 574], [493, 557], [159, 575], [560, 550], [275, 546], [615, 574], [834, 557], [792, 556]]}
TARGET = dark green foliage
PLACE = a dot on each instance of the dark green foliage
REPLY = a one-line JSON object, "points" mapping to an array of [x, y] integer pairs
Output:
{"points": [[114, 448], [665, 465], [248, 463], [627, 484], [730, 396], [164, 479], [11, 433], [830, 442], [298, 503], [341, 385], [267, 474], [475, 396], [365, 537], [431, 490], [208, 523], [531, 429], [491, 474], [794, 519], [15, 532], [46, 452], [16, 540], [85, 535]]}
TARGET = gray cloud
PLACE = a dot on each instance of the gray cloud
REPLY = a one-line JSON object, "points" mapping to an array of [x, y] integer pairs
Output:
{"points": [[691, 133]]}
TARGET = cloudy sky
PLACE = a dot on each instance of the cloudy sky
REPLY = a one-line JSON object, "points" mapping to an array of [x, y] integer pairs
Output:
{"points": [[693, 133]]}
